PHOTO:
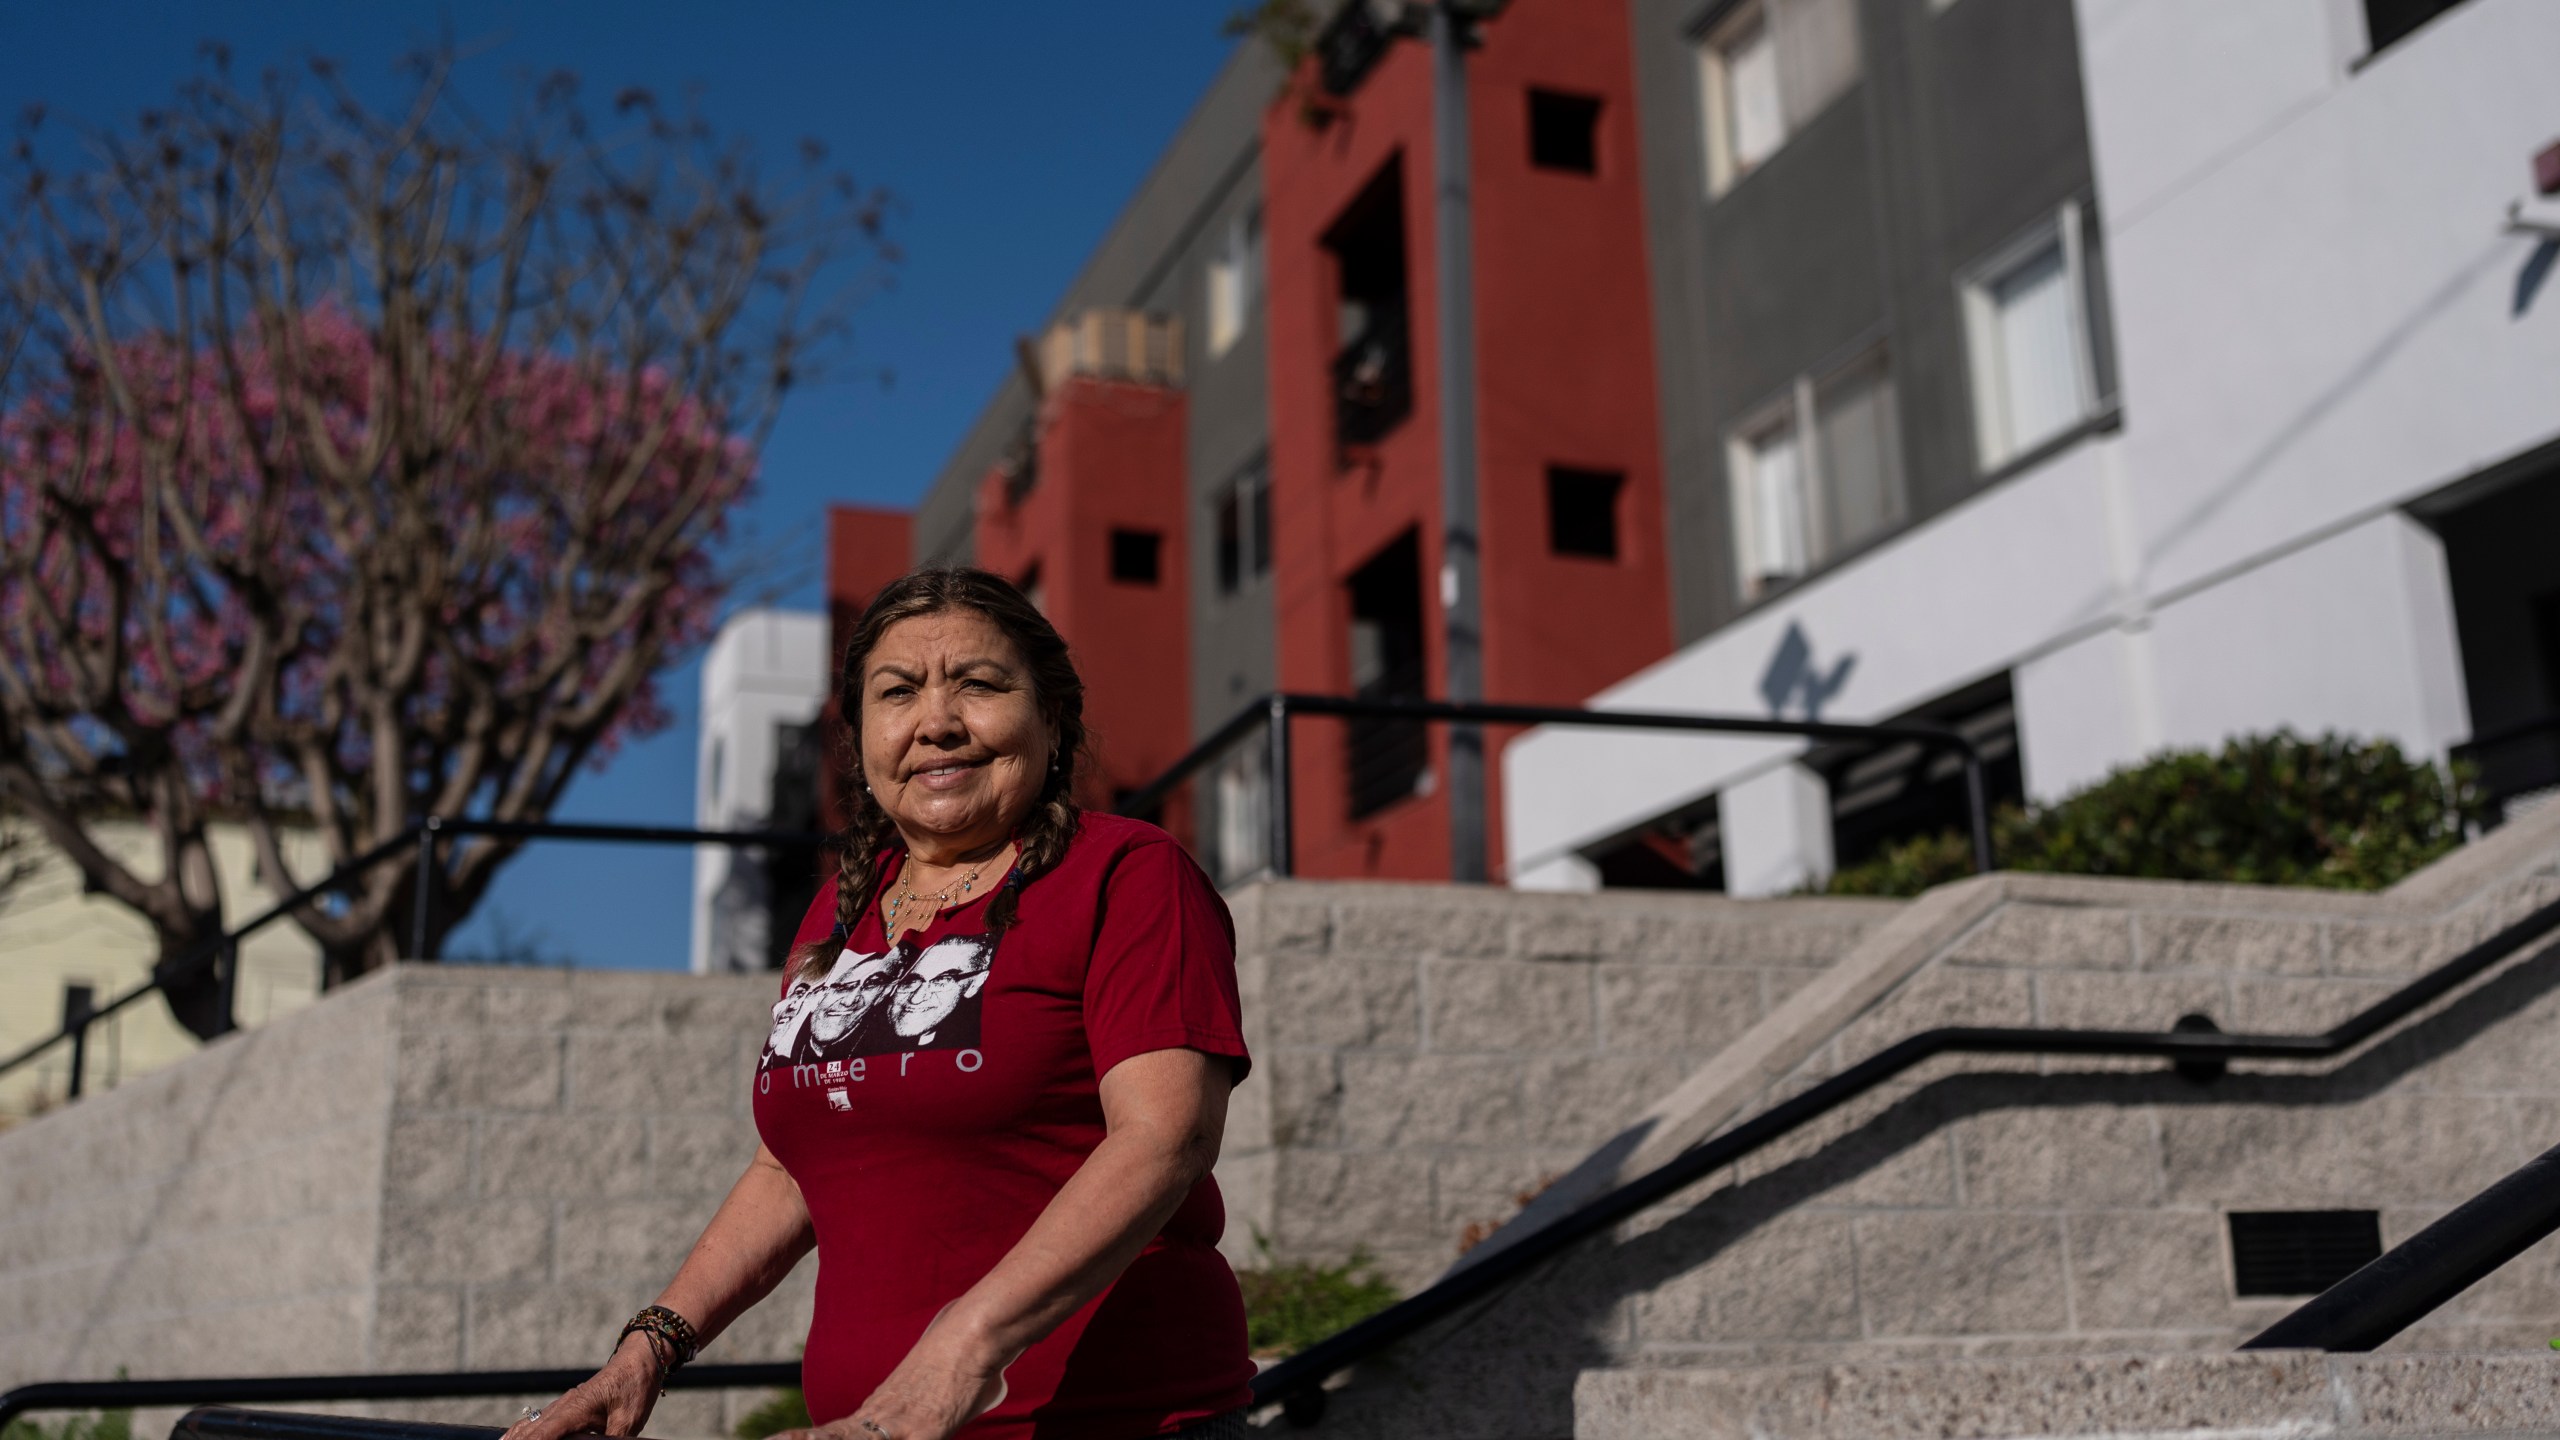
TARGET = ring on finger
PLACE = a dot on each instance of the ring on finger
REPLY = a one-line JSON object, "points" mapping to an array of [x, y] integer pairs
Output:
{"points": [[531, 1412], [874, 1427]]}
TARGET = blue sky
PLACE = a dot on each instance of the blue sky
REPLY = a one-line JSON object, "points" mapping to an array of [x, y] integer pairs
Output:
{"points": [[1011, 134]]}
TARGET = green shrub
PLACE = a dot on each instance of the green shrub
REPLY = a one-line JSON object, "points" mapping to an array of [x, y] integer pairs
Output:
{"points": [[1288, 1307], [102, 1425], [2274, 809], [783, 1410]]}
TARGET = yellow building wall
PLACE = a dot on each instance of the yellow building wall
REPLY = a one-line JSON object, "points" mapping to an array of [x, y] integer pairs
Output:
{"points": [[53, 936]]}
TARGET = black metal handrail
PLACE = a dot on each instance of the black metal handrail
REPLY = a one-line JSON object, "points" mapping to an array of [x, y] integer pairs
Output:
{"points": [[1273, 711], [1297, 1382], [423, 1385], [75, 1027], [2405, 1284]]}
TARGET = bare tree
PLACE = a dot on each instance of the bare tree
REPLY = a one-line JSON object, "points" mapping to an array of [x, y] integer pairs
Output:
{"points": [[363, 463]]}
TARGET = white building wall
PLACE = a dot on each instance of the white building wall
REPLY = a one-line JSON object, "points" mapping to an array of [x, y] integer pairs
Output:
{"points": [[765, 669], [2314, 306]]}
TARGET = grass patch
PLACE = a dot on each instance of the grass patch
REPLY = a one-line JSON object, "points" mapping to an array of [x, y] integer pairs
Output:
{"points": [[1288, 1307], [100, 1425], [783, 1410]]}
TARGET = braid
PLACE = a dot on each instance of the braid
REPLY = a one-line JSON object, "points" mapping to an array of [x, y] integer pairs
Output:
{"points": [[1042, 843]]}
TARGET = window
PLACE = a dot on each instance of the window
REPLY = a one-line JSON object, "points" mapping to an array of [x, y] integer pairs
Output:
{"points": [[1816, 473], [2030, 325], [1764, 72], [1244, 814], [1373, 366], [1387, 759], [1235, 282], [1243, 522], [2388, 22], [1858, 444], [1564, 132], [1582, 511], [1135, 556]]}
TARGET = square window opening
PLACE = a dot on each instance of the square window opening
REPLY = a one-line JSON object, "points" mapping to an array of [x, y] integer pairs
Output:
{"points": [[1136, 556], [1582, 511], [1564, 132]]}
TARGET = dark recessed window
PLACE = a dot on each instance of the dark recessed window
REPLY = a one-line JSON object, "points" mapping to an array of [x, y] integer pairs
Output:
{"points": [[1230, 550], [1582, 511], [2388, 22], [1258, 510], [2300, 1252], [1564, 132], [1388, 757], [1137, 556]]}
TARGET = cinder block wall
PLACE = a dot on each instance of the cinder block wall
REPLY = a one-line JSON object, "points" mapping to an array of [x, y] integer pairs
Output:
{"points": [[439, 1167], [1428, 1055], [556, 1140], [2001, 1206]]}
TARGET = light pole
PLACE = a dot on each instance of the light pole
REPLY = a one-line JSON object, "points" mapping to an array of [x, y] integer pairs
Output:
{"points": [[1461, 603]]}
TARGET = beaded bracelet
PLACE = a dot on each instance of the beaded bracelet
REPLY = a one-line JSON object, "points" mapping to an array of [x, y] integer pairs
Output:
{"points": [[659, 1324]]}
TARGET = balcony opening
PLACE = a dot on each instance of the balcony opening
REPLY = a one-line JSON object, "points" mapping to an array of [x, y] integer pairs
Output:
{"points": [[1582, 511], [1564, 132], [1884, 795], [1137, 557], [1373, 364], [1681, 850], [2388, 22], [1387, 759], [2300, 1252]]}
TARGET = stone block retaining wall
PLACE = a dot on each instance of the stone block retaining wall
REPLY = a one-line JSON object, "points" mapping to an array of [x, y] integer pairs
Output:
{"points": [[1429, 1055]]}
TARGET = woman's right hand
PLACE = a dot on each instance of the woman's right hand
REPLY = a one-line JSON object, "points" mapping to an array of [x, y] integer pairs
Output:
{"points": [[616, 1400]]}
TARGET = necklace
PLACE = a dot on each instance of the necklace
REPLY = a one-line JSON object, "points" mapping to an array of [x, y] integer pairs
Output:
{"points": [[943, 899]]}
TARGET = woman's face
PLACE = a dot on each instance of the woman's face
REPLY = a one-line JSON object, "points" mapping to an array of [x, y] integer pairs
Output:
{"points": [[953, 744]]}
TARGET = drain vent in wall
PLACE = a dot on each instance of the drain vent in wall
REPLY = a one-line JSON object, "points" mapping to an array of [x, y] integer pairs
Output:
{"points": [[2301, 1252]]}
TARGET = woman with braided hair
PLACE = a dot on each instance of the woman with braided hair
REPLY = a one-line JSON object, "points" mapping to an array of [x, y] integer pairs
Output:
{"points": [[1002, 1158]]}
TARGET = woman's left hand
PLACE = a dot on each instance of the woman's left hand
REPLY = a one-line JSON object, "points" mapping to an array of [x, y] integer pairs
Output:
{"points": [[940, 1386]]}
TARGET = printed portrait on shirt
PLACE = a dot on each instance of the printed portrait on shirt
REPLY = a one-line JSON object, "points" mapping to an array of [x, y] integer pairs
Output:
{"points": [[909, 998]]}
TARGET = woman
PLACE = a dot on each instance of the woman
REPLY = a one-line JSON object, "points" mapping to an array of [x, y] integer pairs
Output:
{"points": [[1005, 1170]]}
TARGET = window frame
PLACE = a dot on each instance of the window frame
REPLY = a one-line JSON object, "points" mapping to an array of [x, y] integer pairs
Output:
{"points": [[1712, 39], [1233, 283], [1799, 410], [1996, 445], [1787, 412]]}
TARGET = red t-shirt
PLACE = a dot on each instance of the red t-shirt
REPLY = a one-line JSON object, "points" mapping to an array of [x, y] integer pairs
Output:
{"points": [[931, 1098]]}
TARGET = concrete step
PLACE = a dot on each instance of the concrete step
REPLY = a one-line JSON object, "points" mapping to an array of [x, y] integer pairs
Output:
{"points": [[2262, 1395]]}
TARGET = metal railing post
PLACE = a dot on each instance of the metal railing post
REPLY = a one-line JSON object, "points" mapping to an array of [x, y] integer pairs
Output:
{"points": [[1277, 736], [226, 978], [82, 1011], [423, 887], [1977, 799]]}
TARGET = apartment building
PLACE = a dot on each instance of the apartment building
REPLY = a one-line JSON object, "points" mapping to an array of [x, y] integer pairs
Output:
{"points": [[2092, 377], [2248, 423]]}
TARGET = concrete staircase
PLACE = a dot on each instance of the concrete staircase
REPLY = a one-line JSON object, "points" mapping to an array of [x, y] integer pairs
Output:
{"points": [[2014, 1209]]}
